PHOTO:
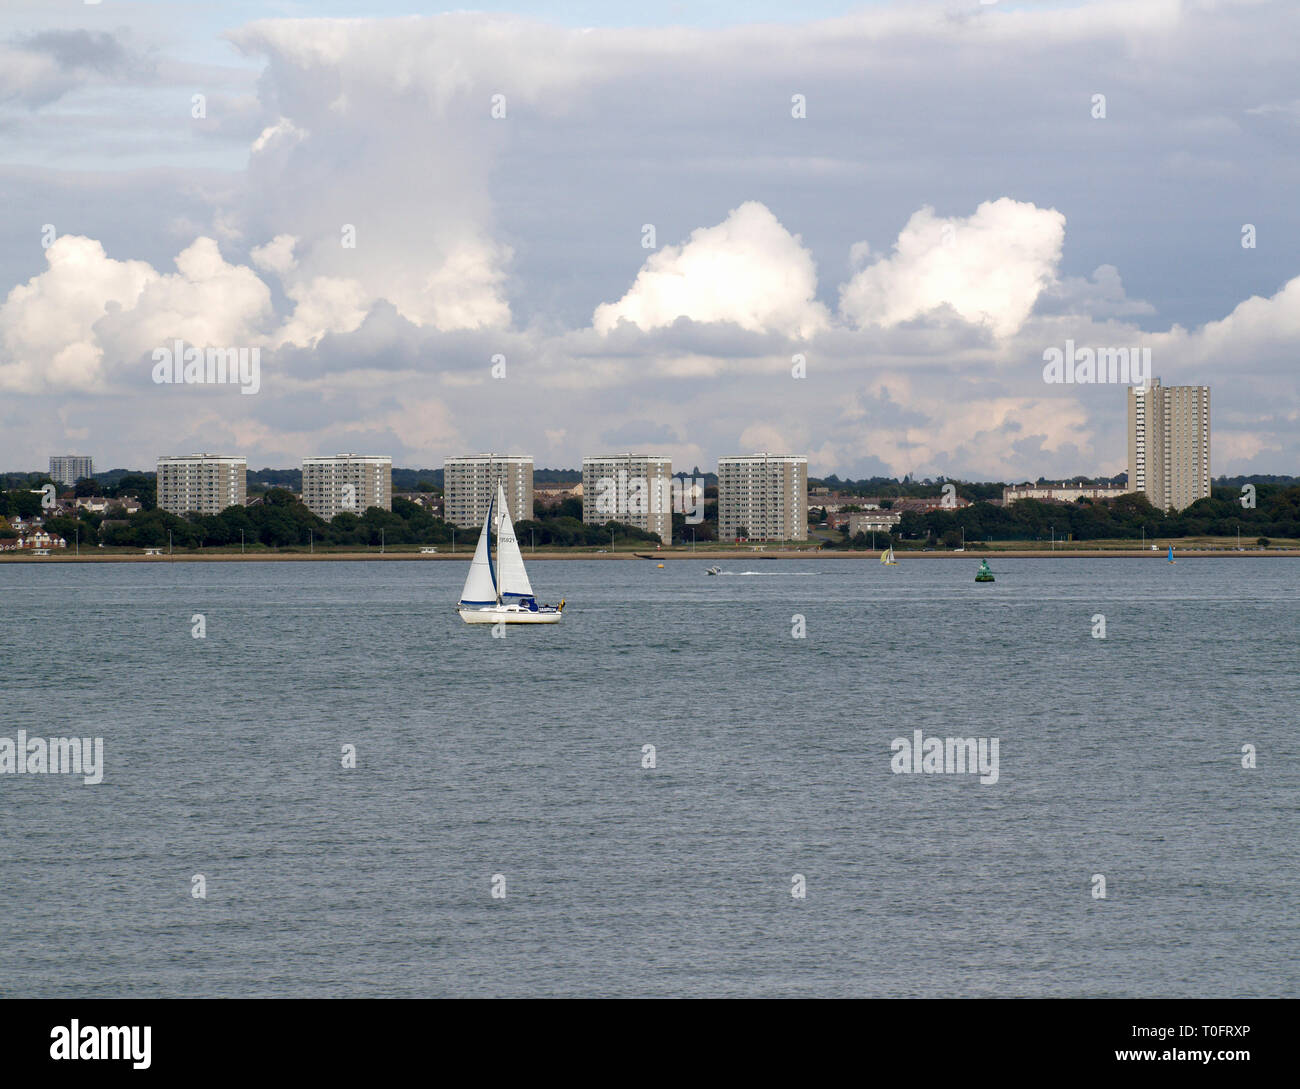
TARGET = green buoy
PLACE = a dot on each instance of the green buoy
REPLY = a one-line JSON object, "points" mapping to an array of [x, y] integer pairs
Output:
{"points": [[984, 574]]}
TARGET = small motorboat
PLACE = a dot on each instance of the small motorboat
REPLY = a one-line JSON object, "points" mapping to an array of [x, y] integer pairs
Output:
{"points": [[714, 571]]}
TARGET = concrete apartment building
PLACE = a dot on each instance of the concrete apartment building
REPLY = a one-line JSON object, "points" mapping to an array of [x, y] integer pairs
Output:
{"points": [[1061, 493], [764, 494], [469, 484], [635, 489], [347, 482], [206, 483], [1169, 444], [67, 469]]}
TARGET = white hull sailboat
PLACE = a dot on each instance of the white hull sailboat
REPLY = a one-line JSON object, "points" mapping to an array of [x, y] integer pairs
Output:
{"points": [[500, 593], [887, 557], [511, 614]]}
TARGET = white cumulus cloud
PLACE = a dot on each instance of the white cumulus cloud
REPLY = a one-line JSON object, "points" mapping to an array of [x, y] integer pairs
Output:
{"points": [[748, 270], [47, 325], [989, 268], [87, 313], [277, 255], [207, 301]]}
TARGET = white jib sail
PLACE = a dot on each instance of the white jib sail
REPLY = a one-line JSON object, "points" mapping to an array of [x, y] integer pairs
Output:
{"points": [[510, 561], [479, 588]]}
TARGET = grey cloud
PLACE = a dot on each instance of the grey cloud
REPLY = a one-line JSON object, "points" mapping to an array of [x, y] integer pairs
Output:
{"points": [[640, 433], [99, 51]]}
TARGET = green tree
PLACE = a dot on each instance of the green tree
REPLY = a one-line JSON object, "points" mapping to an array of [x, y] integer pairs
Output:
{"points": [[143, 487], [63, 526], [24, 502]]}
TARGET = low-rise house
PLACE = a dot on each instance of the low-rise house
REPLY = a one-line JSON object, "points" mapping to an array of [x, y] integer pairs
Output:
{"points": [[430, 501], [551, 495], [41, 539], [833, 502], [873, 521], [924, 506], [1061, 493]]}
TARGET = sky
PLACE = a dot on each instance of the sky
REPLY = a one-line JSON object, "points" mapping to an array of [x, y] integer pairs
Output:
{"points": [[850, 231]]}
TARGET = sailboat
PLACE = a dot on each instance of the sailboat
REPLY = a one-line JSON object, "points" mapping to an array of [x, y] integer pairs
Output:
{"points": [[1171, 555], [887, 557], [500, 593]]}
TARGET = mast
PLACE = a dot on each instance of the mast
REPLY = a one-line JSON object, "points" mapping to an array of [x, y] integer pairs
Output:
{"points": [[498, 518]]}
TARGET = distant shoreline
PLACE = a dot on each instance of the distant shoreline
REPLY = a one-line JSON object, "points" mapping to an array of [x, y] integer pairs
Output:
{"points": [[699, 555]]}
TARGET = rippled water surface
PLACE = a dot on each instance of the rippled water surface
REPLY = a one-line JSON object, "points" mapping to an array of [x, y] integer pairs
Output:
{"points": [[522, 757]]}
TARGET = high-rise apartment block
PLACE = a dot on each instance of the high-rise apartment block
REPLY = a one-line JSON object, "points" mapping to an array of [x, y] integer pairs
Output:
{"points": [[763, 495], [635, 489], [67, 469], [206, 483], [347, 482], [470, 483], [1169, 444]]}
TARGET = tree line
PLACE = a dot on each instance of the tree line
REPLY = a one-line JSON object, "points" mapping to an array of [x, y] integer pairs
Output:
{"points": [[282, 520], [1276, 513]]}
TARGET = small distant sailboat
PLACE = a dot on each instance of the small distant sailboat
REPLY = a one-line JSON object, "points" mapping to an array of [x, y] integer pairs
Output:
{"points": [[1171, 555], [500, 593], [984, 574], [887, 557]]}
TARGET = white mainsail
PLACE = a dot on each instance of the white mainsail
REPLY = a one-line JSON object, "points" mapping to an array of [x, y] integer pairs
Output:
{"points": [[480, 587], [510, 561]]}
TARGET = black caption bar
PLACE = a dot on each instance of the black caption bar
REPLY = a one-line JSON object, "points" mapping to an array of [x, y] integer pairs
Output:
{"points": [[177, 1038]]}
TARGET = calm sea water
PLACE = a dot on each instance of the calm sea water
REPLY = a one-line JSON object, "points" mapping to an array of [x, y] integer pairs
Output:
{"points": [[522, 757]]}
